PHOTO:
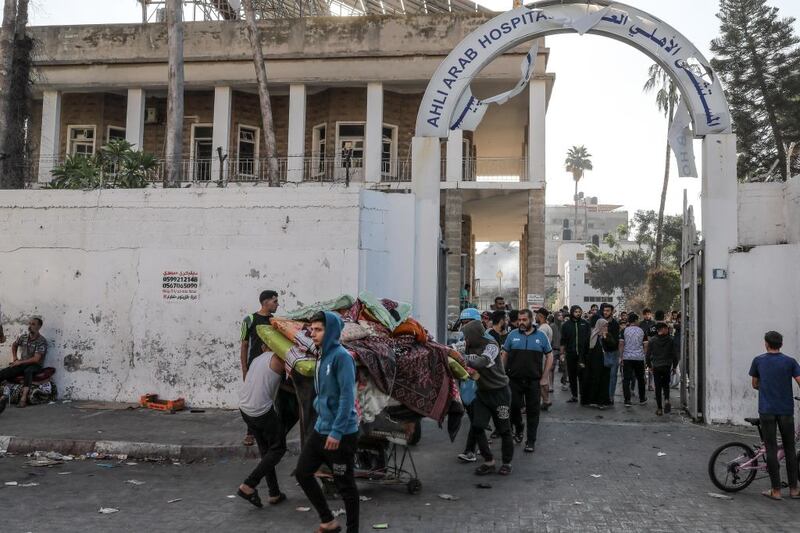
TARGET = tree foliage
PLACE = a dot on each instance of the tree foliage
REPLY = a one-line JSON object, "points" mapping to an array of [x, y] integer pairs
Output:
{"points": [[645, 224], [663, 287], [619, 269], [116, 166], [758, 59]]}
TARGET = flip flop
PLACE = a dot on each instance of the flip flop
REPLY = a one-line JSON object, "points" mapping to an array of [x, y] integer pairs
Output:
{"points": [[768, 494], [248, 440], [252, 498], [794, 496], [337, 529]]}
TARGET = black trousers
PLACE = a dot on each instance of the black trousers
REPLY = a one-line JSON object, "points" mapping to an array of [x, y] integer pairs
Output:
{"points": [[12, 372], [342, 464], [525, 392], [270, 437], [471, 443], [573, 373], [661, 377], [633, 370], [770, 425], [494, 405]]}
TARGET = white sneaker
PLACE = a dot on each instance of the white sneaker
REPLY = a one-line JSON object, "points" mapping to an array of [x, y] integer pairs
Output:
{"points": [[468, 457]]}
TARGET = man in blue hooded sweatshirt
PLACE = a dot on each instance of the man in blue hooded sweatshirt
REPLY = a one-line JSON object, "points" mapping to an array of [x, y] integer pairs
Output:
{"points": [[333, 440]]}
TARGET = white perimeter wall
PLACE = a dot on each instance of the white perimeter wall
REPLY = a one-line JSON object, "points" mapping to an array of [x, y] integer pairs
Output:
{"points": [[764, 293], [91, 263]]}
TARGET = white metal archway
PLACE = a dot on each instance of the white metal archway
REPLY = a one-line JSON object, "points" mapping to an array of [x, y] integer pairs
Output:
{"points": [[700, 89]]}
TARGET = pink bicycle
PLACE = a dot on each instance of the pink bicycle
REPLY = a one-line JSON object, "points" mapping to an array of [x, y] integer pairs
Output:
{"points": [[735, 465]]}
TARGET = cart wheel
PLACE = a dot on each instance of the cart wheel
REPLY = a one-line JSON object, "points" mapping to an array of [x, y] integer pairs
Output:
{"points": [[414, 486]]}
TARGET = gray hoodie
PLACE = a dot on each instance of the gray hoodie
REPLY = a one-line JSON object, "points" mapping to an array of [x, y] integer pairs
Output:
{"points": [[483, 354]]}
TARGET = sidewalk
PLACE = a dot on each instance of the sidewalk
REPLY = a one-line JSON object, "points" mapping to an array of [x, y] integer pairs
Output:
{"points": [[104, 427]]}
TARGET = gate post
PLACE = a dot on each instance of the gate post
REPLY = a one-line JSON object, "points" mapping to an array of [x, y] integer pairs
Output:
{"points": [[720, 236], [425, 177]]}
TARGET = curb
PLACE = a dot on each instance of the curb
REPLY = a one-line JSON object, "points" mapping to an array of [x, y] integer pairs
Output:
{"points": [[133, 450]]}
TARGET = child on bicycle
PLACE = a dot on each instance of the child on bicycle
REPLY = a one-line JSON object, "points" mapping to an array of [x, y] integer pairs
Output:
{"points": [[772, 375]]}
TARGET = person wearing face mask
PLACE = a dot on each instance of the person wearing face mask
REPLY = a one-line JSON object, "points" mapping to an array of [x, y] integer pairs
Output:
{"points": [[575, 333], [27, 359]]}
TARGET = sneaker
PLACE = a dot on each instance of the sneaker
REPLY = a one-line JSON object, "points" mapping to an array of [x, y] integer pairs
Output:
{"points": [[546, 406], [564, 388], [485, 470], [659, 412], [530, 447], [504, 470], [572, 400], [519, 437], [3, 403], [467, 457], [667, 407], [650, 388], [628, 404], [643, 402]]}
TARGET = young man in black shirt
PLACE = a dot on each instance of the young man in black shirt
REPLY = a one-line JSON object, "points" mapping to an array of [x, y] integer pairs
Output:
{"points": [[250, 342]]}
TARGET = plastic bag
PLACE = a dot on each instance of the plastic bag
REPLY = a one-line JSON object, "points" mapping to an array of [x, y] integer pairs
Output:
{"points": [[468, 389]]}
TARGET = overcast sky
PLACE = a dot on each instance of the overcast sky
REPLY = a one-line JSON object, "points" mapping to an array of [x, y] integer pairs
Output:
{"points": [[597, 100]]}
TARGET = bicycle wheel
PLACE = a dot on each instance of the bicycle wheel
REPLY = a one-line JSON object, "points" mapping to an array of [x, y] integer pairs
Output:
{"points": [[724, 467]]}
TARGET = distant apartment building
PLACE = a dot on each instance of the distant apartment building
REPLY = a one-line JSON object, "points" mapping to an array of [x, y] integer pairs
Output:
{"points": [[574, 281], [595, 221]]}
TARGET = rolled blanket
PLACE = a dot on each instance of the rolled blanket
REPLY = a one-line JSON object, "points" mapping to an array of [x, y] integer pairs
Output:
{"points": [[291, 354], [344, 301]]}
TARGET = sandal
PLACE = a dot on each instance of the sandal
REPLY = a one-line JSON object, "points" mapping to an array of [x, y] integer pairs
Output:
{"points": [[249, 440], [278, 499], [485, 470], [337, 529], [504, 470], [768, 494], [794, 496], [252, 498]]}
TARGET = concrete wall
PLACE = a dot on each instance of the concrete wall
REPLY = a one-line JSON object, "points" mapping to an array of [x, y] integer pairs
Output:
{"points": [[762, 216], [92, 264]]}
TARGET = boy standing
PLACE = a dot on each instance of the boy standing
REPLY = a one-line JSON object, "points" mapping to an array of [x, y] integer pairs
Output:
{"points": [[772, 375]]}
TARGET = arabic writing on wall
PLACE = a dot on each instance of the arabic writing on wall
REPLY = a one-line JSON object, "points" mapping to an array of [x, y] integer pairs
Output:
{"points": [[180, 285]]}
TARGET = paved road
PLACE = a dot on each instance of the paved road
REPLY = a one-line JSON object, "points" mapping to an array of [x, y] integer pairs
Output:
{"points": [[550, 491]]}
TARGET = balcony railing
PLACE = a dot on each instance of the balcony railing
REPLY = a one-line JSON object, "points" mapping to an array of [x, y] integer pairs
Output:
{"points": [[316, 169]]}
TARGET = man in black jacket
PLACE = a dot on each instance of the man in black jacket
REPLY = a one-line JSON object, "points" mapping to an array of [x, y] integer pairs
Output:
{"points": [[662, 359], [575, 333], [614, 332]]}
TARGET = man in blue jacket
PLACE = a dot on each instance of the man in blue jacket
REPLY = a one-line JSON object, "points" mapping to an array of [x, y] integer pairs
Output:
{"points": [[333, 440]]}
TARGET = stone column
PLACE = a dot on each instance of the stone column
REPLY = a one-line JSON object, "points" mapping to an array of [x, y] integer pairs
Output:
{"points": [[134, 119], [373, 133], [452, 241], [537, 111], [523, 267], [297, 133], [50, 137], [455, 156], [425, 178], [720, 235], [535, 244], [221, 135]]}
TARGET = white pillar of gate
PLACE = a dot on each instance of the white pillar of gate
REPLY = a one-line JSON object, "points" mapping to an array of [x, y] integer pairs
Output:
{"points": [[373, 136], [134, 119], [50, 136], [537, 112], [425, 177], [454, 170], [720, 235], [297, 132], [221, 132]]}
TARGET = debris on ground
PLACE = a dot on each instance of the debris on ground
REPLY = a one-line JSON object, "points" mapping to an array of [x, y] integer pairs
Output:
{"points": [[596, 476], [634, 465], [176, 500], [661, 454], [11, 483], [484, 485], [107, 510], [303, 509], [364, 498], [720, 496], [106, 465], [44, 462], [577, 503], [64, 473], [449, 497], [380, 526], [338, 512], [29, 485], [134, 482], [231, 496]]}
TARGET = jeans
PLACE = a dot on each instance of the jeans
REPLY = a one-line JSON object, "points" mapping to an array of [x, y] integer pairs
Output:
{"points": [[342, 464], [525, 392], [494, 405], [612, 363], [12, 372], [770, 425], [271, 440], [662, 376], [572, 373], [633, 370]]}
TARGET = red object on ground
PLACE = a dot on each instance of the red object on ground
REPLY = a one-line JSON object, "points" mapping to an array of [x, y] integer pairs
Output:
{"points": [[151, 401]]}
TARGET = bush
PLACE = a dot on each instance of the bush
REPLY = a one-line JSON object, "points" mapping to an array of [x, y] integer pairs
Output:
{"points": [[116, 166], [663, 288]]}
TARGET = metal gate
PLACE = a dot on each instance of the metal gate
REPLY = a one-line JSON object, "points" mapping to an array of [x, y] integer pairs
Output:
{"points": [[692, 363]]}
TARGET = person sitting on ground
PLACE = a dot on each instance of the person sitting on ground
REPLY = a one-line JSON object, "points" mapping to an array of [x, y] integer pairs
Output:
{"points": [[662, 360], [27, 359], [772, 375], [335, 434], [492, 400], [257, 405]]}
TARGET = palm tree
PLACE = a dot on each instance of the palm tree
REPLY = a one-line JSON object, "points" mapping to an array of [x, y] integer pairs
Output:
{"points": [[666, 99], [578, 161]]}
